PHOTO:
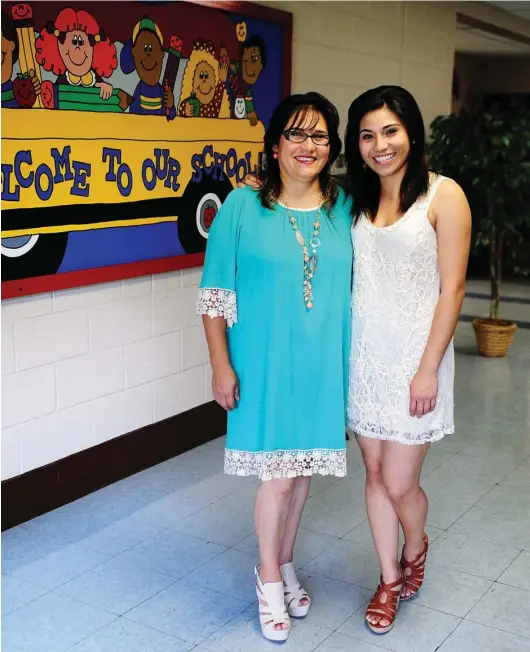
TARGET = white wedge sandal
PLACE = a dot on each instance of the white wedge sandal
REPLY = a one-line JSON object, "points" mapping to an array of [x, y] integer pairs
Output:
{"points": [[294, 593], [272, 609]]}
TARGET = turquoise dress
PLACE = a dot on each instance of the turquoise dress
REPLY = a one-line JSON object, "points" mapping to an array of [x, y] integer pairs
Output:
{"points": [[292, 363]]}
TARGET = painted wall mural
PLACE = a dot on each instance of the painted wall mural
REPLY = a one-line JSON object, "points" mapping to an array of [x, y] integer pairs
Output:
{"points": [[124, 127]]}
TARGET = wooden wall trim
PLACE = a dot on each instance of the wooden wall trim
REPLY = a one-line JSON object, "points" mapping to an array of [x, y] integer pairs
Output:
{"points": [[46, 488]]}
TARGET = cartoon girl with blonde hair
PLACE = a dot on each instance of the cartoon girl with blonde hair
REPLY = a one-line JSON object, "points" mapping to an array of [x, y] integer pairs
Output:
{"points": [[204, 83], [78, 51]]}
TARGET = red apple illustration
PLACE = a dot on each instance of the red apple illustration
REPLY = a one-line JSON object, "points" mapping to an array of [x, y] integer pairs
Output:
{"points": [[209, 216], [23, 90], [175, 43]]}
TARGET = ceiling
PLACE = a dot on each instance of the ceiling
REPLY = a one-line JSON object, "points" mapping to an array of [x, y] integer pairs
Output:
{"points": [[476, 41], [519, 7]]}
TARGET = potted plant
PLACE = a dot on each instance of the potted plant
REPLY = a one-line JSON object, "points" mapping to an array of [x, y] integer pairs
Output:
{"points": [[489, 156]]}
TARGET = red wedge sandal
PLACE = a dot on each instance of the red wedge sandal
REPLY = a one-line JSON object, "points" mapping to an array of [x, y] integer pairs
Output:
{"points": [[414, 571], [384, 604]]}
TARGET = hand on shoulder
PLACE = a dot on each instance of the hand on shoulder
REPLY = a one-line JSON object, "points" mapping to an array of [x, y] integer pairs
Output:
{"points": [[251, 181]]}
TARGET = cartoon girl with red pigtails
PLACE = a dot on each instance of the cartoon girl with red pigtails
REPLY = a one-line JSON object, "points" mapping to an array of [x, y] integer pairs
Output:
{"points": [[78, 51]]}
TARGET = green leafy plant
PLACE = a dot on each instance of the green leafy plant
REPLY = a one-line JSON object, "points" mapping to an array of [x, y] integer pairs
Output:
{"points": [[489, 156]]}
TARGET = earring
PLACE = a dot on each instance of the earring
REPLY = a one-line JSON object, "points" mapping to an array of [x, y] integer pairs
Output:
{"points": [[275, 155]]}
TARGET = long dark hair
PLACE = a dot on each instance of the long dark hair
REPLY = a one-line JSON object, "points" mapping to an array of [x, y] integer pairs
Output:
{"points": [[299, 107], [363, 183]]}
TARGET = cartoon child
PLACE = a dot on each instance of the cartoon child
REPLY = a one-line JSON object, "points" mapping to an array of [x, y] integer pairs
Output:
{"points": [[24, 90], [244, 74], [145, 54], [78, 51], [203, 84]]}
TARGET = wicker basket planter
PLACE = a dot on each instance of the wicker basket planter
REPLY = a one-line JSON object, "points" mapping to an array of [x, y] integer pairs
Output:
{"points": [[493, 336]]}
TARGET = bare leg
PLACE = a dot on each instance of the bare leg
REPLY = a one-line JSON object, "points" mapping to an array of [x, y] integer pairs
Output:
{"points": [[382, 516], [402, 466], [296, 508], [294, 516], [271, 508]]}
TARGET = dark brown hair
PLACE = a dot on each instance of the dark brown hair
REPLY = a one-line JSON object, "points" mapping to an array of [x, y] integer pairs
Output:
{"points": [[363, 183], [297, 108]]}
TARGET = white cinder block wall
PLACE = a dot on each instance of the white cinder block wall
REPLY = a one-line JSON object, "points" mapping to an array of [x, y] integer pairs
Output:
{"points": [[83, 366], [343, 48]]}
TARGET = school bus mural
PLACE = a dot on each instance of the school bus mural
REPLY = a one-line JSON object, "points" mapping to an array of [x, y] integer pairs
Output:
{"points": [[124, 127]]}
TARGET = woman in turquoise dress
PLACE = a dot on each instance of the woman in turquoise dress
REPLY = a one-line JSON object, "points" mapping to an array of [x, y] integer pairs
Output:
{"points": [[275, 299]]}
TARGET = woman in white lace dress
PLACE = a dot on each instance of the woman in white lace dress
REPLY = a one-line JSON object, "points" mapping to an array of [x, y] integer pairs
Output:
{"points": [[411, 238]]}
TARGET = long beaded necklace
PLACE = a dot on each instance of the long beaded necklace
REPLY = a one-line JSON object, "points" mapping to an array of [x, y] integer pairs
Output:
{"points": [[310, 262]]}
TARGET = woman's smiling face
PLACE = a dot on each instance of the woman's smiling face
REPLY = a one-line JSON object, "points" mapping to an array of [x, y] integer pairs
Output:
{"points": [[305, 160], [383, 142]]}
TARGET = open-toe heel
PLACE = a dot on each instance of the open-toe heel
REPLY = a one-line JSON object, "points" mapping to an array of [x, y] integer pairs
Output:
{"points": [[414, 571], [296, 598], [384, 604], [272, 609]]}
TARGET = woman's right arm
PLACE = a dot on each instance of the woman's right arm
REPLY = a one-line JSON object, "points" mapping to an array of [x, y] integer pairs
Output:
{"points": [[225, 384], [217, 301]]}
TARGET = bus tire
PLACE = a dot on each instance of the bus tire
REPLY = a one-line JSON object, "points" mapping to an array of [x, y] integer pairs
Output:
{"points": [[43, 257], [200, 204]]}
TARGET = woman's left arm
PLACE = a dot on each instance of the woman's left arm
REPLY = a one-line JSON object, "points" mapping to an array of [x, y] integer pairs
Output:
{"points": [[453, 229]]}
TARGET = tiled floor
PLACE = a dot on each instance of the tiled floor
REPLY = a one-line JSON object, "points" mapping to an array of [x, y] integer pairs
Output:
{"points": [[162, 561]]}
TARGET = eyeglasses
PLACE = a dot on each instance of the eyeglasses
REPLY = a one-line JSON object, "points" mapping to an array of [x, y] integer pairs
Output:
{"points": [[299, 136]]}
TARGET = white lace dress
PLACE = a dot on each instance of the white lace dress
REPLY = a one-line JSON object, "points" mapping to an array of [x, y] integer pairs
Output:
{"points": [[396, 286]]}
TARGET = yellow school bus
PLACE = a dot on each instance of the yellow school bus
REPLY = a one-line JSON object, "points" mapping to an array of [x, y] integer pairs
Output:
{"points": [[69, 171]]}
